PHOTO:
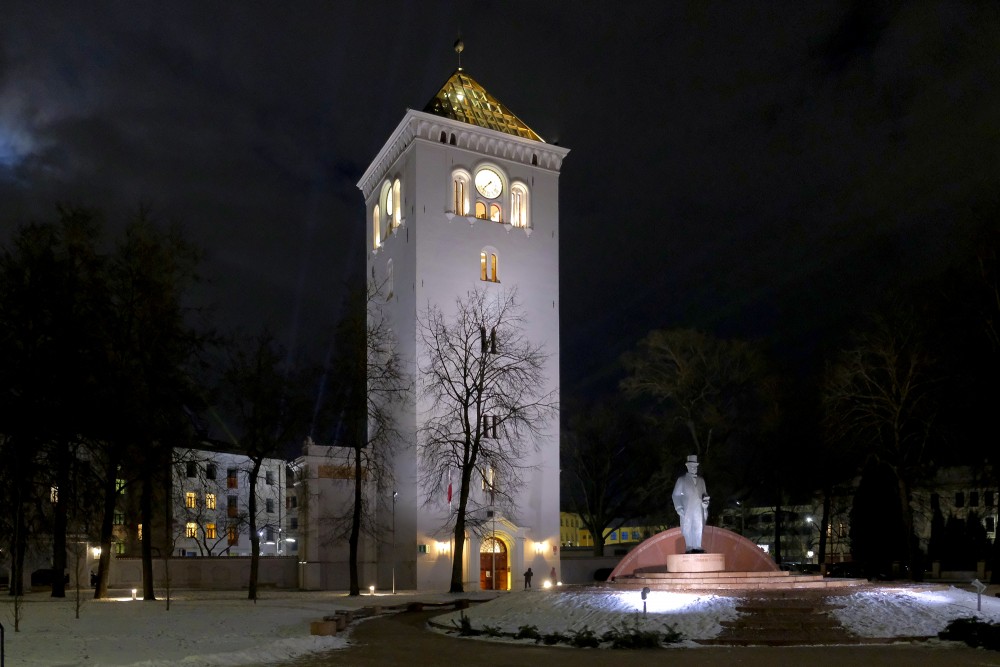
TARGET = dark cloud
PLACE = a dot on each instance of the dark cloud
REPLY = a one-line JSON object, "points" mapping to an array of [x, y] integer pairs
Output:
{"points": [[758, 169]]}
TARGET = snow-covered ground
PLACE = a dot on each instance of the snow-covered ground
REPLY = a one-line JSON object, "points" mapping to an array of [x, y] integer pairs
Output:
{"points": [[694, 616], [214, 629]]}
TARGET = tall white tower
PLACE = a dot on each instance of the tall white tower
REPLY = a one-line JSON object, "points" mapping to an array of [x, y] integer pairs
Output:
{"points": [[465, 196]]}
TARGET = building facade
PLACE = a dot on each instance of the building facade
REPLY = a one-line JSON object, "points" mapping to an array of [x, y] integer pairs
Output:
{"points": [[210, 503], [463, 197]]}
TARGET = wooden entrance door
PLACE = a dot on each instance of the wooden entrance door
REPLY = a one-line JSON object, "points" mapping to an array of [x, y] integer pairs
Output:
{"points": [[493, 567]]}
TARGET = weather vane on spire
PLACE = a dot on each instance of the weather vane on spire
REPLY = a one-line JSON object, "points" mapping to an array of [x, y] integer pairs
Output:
{"points": [[459, 47]]}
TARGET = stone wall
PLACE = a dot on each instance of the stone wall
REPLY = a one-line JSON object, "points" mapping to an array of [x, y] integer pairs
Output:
{"points": [[224, 573]]}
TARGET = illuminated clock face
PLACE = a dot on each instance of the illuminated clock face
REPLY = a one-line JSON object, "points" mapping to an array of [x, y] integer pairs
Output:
{"points": [[488, 183]]}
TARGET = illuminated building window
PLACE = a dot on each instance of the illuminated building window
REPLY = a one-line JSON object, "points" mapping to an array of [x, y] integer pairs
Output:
{"points": [[519, 205], [54, 494], [210, 531], [376, 228], [232, 481], [119, 518], [119, 485], [232, 508], [119, 548], [459, 191], [139, 532], [397, 203], [233, 534], [495, 212], [387, 197], [210, 501], [480, 210], [488, 265], [190, 500], [190, 529]]}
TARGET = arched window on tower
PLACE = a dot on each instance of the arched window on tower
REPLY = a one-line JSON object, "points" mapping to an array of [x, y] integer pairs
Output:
{"points": [[495, 212], [459, 193], [519, 205], [444, 137], [488, 265], [396, 204], [481, 210], [376, 228]]}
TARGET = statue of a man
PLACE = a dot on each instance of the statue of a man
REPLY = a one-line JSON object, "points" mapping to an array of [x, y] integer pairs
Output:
{"points": [[691, 502]]}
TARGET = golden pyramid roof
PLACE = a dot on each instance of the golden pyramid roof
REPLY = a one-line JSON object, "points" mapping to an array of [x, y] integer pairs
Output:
{"points": [[463, 99]]}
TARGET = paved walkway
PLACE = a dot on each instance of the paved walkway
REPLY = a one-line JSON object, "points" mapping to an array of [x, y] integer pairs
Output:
{"points": [[402, 639]]}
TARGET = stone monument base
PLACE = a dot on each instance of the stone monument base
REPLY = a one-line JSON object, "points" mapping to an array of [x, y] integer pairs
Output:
{"points": [[696, 563]]}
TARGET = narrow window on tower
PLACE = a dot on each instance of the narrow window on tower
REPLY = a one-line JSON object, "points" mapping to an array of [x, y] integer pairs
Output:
{"points": [[396, 204], [488, 265], [376, 229], [458, 194], [482, 340], [480, 210], [493, 340], [519, 205], [459, 189], [495, 212]]}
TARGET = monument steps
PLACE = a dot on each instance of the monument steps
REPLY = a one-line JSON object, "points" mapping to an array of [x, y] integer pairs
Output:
{"points": [[731, 581], [784, 619]]}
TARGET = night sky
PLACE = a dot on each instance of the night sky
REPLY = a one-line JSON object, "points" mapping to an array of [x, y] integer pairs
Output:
{"points": [[760, 170]]}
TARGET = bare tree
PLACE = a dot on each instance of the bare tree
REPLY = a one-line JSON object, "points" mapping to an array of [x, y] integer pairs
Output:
{"points": [[705, 390], [375, 383], [484, 383], [879, 400], [270, 405], [610, 470]]}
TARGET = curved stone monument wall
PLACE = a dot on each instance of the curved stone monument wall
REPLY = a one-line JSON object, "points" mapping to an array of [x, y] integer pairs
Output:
{"points": [[741, 554]]}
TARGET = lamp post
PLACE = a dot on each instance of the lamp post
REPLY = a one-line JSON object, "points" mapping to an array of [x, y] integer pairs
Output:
{"points": [[394, 494]]}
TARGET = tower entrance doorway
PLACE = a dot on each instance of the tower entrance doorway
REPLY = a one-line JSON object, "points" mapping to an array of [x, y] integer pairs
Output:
{"points": [[493, 567]]}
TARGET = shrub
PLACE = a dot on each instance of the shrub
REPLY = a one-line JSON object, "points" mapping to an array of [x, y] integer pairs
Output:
{"points": [[973, 632], [553, 638], [628, 635], [584, 638], [493, 631], [528, 632], [465, 628]]}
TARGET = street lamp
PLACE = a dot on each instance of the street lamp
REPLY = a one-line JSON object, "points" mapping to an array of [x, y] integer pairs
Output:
{"points": [[394, 494]]}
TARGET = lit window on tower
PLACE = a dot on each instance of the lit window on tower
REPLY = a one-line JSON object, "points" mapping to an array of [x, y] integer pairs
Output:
{"points": [[488, 266], [518, 205]]}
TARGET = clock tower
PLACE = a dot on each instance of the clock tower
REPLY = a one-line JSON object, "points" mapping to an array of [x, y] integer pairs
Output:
{"points": [[463, 197]]}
